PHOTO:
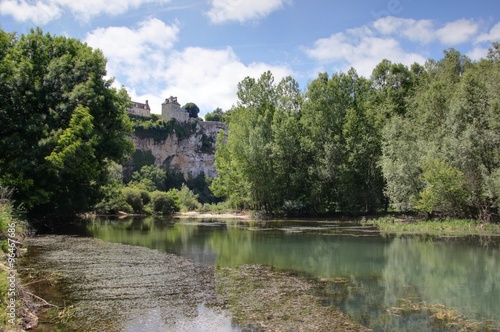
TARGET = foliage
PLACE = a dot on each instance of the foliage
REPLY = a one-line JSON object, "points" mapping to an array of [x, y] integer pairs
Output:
{"points": [[284, 155], [186, 199], [133, 198], [218, 115], [434, 226], [423, 138], [443, 189], [139, 159], [454, 118], [151, 178], [200, 186], [192, 109], [160, 129], [163, 203], [63, 123]]}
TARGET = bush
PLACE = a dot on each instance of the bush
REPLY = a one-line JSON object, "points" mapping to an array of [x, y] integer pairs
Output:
{"points": [[444, 189], [163, 203], [133, 198], [188, 201]]}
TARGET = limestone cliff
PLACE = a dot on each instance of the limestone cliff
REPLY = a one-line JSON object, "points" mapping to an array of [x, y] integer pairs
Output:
{"points": [[192, 152]]}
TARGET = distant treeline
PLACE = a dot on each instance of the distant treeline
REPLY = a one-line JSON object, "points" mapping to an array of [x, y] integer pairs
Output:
{"points": [[419, 138]]}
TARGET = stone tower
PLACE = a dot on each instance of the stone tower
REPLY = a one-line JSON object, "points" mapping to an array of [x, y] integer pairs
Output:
{"points": [[172, 109]]}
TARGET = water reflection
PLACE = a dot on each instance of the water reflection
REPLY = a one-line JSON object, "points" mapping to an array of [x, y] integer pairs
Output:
{"points": [[375, 271]]}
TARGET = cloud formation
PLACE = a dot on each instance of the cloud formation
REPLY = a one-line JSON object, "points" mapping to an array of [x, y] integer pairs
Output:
{"points": [[209, 77], [364, 47], [44, 11], [143, 55], [151, 69], [242, 10], [457, 32], [361, 49], [492, 36]]}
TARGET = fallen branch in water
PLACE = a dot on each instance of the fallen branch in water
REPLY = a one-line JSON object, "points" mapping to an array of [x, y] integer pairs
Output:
{"points": [[44, 302]]}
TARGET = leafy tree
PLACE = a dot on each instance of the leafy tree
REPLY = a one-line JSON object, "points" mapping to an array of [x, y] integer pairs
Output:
{"points": [[163, 203], [192, 109], [247, 161], [217, 115], [443, 189], [151, 176], [63, 123], [453, 118], [133, 198]]}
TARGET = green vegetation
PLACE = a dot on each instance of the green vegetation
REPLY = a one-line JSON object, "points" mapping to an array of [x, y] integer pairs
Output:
{"points": [[418, 138], [13, 230], [441, 226], [160, 129], [147, 193], [62, 123], [192, 109], [218, 115]]}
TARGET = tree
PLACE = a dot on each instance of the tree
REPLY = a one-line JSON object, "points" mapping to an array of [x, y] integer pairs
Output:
{"points": [[444, 189], [150, 174], [63, 123], [217, 115], [192, 109]]}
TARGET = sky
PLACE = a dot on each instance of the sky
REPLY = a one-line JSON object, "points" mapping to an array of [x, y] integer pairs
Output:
{"points": [[198, 51]]}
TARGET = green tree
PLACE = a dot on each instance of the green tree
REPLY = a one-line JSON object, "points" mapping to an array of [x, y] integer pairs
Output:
{"points": [[150, 175], [163, 203], [192, 109], [443, 189], [63, 123], [253, 161], [453, 116], [217, 115]]}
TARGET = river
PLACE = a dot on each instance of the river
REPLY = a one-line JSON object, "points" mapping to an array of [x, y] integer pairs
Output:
{"points": [[409, 282]]}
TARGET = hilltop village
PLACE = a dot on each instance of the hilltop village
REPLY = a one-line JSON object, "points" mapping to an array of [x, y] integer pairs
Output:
{"points": [[192, 154], [170, 108]]}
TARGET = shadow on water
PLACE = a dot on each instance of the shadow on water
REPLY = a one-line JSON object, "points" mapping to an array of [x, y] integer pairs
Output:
{"points": [[403, 283]]}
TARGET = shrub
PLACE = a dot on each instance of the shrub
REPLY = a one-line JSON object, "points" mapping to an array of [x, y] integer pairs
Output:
{"points": [[188, 201], [133, 198], [163, 203], [444, 189]]}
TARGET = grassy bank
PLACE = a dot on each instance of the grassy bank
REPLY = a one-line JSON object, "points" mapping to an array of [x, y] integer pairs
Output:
{"points": [[442, 226], [14, 312]]}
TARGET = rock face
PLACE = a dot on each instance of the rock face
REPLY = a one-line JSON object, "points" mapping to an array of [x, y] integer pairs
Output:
{"points": [[191, 156]]}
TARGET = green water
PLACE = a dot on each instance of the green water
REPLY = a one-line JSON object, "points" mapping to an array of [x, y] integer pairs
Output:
{"points": [[361, 271]]}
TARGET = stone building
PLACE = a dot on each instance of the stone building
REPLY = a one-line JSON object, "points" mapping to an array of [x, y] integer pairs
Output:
{"points": [[140, 109], [172, 109]]}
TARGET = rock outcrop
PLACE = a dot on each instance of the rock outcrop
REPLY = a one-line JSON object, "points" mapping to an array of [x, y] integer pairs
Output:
{"points": [[191, 155]]}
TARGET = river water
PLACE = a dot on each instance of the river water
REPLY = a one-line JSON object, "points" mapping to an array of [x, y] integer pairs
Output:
{"points": [[404, 282]]}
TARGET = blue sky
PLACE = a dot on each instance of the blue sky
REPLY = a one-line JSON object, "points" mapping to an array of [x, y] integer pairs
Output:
{"points": [[199, 50]]}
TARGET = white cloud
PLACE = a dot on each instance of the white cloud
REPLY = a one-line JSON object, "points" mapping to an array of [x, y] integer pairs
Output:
{"points": [[242, 10], [477, 53], [150, 69], [492, 36], [44, 11], [414, 30], [362, 52], [457, 32], [40, 12], [209, 77], [135, 54]]}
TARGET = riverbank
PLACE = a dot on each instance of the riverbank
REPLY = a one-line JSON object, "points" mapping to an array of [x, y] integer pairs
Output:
{"points": [[115, 287], [402, 224], [18, 307]]}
